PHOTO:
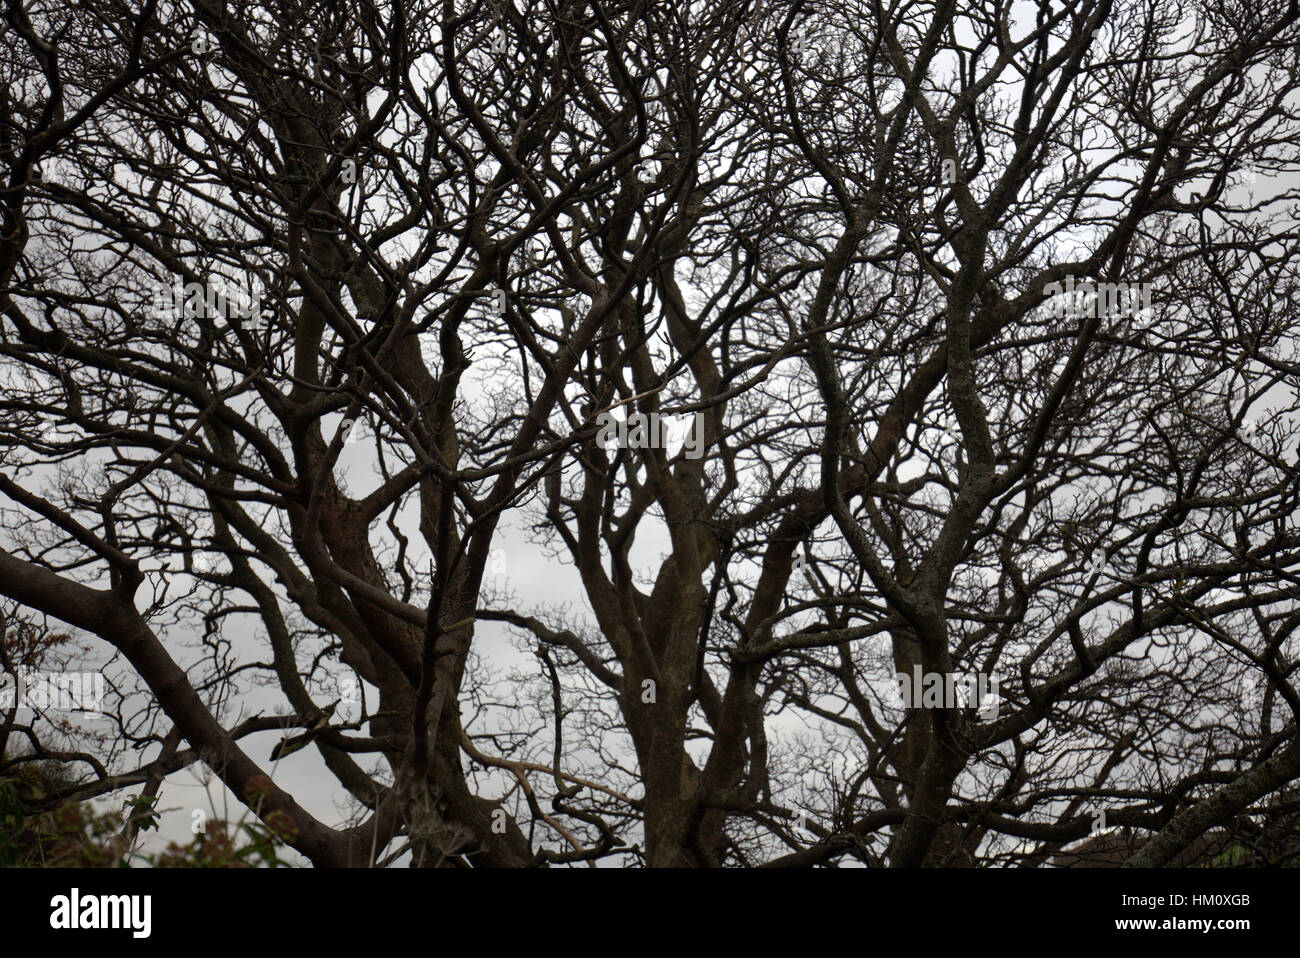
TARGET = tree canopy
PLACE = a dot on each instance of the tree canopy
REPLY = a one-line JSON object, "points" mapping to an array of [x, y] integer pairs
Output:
{"points": [[941, 340]]}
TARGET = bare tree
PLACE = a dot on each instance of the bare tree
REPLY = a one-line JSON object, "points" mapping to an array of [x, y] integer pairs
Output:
{"points": [[975, 326]]}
